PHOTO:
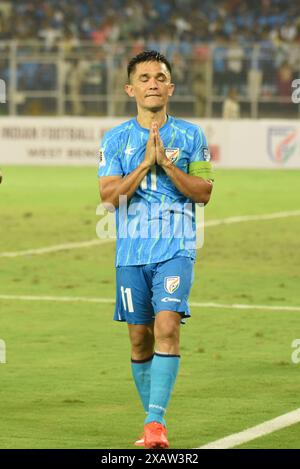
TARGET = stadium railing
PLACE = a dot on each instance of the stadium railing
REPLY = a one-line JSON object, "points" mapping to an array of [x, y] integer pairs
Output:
{"points": [[72, 78]]}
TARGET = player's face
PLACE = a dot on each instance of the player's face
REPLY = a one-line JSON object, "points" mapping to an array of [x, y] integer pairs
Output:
{"points": [[150, 85]]}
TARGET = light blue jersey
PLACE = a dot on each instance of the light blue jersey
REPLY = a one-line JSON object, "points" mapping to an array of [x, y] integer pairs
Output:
{"points": [[158, 223]]}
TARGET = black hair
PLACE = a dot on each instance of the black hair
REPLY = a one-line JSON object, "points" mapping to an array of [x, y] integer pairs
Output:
{"points": [[147, 56]]}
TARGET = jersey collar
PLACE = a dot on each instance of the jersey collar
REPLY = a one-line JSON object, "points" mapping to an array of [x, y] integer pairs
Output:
{"points": [[162, 129]]}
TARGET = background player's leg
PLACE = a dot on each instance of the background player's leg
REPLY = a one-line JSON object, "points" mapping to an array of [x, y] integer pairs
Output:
{"points": [[165, 363], [142, 347]]}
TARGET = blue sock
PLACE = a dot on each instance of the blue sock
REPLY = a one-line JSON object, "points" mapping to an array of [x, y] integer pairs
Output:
{"points": [[164, 371], [141, 371]]}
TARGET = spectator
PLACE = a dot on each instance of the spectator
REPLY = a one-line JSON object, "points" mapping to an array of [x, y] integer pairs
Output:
{"points": [[231, 107], [119, 79], [284, 80], [235, 58], [219, 64], [75, 76], [200, 92]]}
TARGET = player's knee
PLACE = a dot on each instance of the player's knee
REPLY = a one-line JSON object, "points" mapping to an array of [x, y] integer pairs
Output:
{"points": [[142, 342], [167, 332], [167, 327], [167, 340]]}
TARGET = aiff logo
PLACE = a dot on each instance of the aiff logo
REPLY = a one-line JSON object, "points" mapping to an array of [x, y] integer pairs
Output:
{"points": [[282, 143]]}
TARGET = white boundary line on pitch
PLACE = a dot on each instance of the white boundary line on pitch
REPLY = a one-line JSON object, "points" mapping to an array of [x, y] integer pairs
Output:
{"points": [[238, 219], [244, 306], [82, 299], [65, 299], [58, 247], [94, 242], [265, 428]]}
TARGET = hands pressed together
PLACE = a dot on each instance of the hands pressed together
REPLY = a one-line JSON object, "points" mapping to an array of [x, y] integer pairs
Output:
{"points": [[155, 151]]}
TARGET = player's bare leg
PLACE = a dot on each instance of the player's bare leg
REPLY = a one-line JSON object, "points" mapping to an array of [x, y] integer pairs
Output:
{"points": [[142, 349], [167, 332], [163, 375], [142, 340]]}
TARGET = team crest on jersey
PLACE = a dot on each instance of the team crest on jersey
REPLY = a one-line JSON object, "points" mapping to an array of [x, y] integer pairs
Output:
{"points": [[102, 161], [172, 154], [172, 284]]}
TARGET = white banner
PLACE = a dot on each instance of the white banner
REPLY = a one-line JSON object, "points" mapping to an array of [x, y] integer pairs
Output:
{"points": [[75, 141], [52, 141]]}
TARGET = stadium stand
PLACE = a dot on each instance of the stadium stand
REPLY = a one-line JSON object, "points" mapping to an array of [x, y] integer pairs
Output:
{"points": [[52, 52]]}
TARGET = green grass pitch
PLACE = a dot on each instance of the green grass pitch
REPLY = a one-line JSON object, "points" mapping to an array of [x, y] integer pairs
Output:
{"points": [[67, 381]]}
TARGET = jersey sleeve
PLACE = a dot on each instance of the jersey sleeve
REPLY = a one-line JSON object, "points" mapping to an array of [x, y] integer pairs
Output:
{"points": [[199, 164], [109, 156]]}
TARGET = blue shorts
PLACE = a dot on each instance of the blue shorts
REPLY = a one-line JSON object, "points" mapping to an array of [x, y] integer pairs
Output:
{"points": [[145, 290]]}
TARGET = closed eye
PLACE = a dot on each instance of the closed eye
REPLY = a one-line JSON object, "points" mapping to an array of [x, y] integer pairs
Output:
{"points": [[161, 77]]}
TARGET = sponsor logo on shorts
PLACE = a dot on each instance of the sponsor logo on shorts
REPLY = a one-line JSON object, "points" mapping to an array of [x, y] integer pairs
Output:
{"points": [[166, 299], [172, 284]]}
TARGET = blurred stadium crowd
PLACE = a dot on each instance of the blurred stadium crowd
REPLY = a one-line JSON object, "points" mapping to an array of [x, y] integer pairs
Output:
{"points": [[152, 20], [251, 45]]}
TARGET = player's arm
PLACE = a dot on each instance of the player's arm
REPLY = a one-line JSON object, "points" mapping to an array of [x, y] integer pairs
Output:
{"points": [[194, 187], [197, 185], [112, 187]]}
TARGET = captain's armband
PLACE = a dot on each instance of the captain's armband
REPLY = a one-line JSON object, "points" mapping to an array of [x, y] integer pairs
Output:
{"points": [[201, 169]]}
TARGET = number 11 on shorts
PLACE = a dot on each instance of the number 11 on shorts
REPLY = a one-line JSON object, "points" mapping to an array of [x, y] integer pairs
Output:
{"points": [[127, 299]]}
